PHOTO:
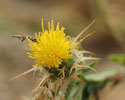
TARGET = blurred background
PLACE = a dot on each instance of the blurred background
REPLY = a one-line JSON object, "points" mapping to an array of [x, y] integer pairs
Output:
{"points": [[23, 17]]}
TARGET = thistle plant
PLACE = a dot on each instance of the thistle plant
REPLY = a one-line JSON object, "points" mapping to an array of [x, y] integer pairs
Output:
{"points": [[60, 60]]}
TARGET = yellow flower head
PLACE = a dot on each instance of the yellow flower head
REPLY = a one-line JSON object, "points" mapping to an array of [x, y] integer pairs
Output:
{"points": [[52, 46]]}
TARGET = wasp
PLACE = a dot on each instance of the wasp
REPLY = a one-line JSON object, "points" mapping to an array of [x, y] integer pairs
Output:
{"points": [[23, 37]]}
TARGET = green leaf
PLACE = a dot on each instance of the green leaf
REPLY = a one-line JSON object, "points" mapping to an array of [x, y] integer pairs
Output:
{"points": [[93, 64], [101, 76], [91, 87], [68, 90], [119, 58], [88, 71]]}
